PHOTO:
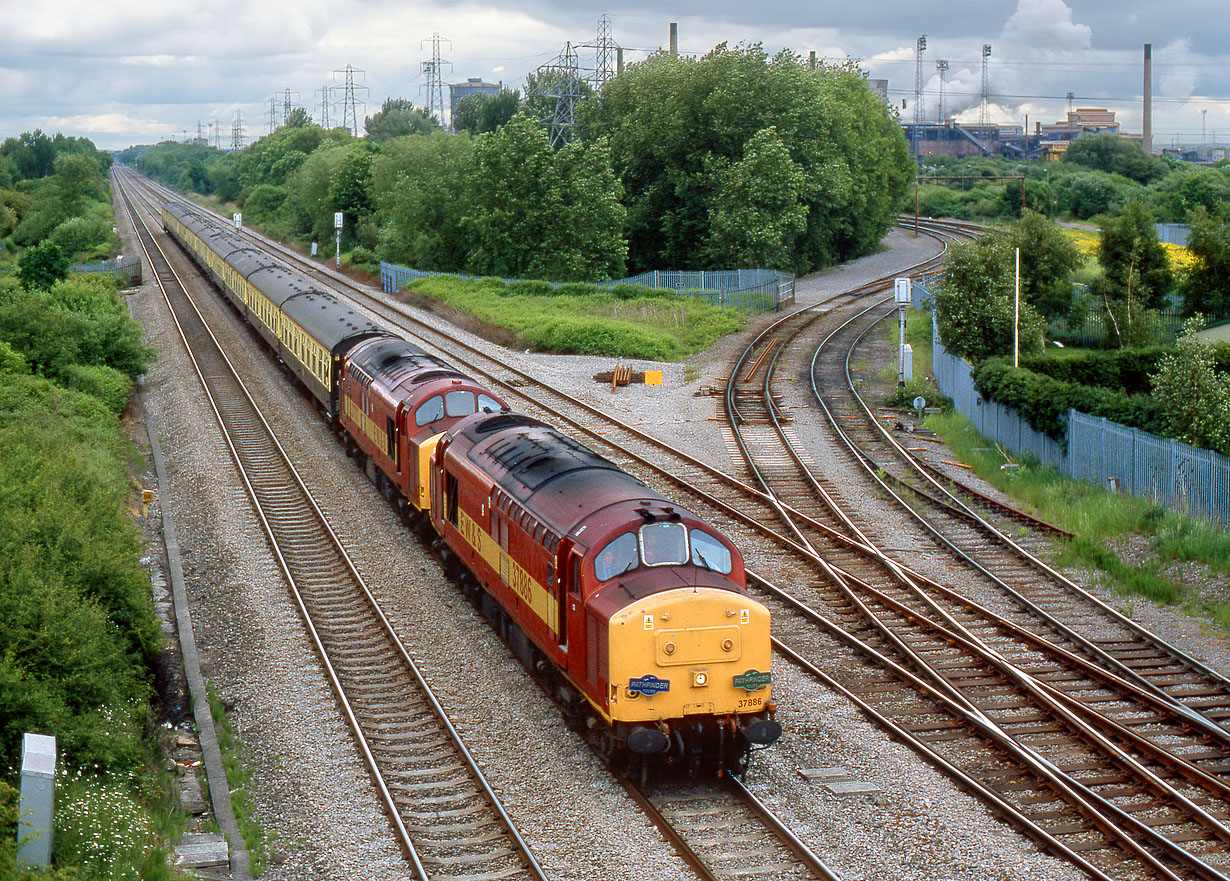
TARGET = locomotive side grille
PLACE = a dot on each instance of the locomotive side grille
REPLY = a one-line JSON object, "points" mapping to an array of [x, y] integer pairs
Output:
{"points": [[597, 651]]}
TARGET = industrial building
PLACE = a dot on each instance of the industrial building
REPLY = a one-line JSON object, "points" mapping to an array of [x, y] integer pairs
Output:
{"points": [[472, 86]]}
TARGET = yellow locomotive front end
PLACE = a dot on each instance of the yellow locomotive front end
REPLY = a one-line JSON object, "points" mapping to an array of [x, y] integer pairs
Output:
{"points": [[690, 673]]}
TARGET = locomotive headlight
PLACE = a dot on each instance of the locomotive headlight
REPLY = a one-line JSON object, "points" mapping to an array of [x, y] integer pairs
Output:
{"points": [[669, 648], [700, 679], [728, 645]]}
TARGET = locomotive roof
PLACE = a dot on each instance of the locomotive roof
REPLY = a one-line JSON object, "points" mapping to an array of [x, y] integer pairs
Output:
{"points": [[559, 479], [388, 357], [326, 320]]}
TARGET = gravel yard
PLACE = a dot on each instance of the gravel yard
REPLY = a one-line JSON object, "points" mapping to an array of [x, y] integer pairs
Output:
{"points": [[309, 786]]}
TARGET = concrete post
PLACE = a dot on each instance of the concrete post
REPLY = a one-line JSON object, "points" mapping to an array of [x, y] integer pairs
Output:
{"points": [[37, 806]]}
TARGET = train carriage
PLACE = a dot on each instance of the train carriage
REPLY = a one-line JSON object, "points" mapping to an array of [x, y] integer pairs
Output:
{"points": [[314, 333]]}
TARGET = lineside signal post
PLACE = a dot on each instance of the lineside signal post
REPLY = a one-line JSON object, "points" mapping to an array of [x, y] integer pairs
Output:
{"points": [[337, 225], [903, 294], [37, 800]]}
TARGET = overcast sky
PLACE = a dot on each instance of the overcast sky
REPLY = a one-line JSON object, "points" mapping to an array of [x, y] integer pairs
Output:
{"points": [[138, 71]]}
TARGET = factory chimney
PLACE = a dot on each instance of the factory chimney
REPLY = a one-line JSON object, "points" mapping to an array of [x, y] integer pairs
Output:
{"points": [[674, 39], [1146, 140]]}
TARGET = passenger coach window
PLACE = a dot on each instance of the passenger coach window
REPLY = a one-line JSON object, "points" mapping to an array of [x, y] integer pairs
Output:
{"points": [[707, 551], [429, 411], [617, 557], [488, 404], [459, 403], [664, 543]]}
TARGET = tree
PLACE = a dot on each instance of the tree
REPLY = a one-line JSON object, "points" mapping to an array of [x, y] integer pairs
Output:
{"points": [[33, 153], [298, 118], [757, 213], [485, 113], [533, 212], [1205, 286], [349, 190], [1136, 277], [419, 187], [974, 303], [1039, 197], [79, 234], [1185, 190], [1090, 193], [310, 186], [1048, 259], [672, 121], [397, 118], [1133, 260], [1106, 151], [78, 181], [42, 266], [1195, 399]]}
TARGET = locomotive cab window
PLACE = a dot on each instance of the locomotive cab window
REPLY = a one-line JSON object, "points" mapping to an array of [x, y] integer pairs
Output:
{"points": [[707, 551], [488, 404], [617, 557], [459, 403], [664, 544], [429, 411]]}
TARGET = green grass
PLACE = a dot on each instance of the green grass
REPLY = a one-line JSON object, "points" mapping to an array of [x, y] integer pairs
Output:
{"points": [[586, 320], [236, 761], [918, 335], [1098, 519]]}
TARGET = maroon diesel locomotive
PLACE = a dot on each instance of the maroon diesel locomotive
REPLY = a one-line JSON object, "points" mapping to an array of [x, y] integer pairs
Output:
{"points": [[635, 609]]}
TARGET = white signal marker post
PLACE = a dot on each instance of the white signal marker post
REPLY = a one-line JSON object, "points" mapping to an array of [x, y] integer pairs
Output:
{"points": [[1016, 313], [337, 225], [237, 219], [903, 293]]}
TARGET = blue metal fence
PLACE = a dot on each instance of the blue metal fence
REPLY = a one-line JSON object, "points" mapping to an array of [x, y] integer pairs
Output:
{"points": [[128, 269], [1173, 233], [756, 290], [1169, 473]]}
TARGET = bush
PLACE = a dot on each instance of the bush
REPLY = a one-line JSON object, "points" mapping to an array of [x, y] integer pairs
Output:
{"points": [[1126, 370], [105, 383], [364, 258], [529, 288], [80, 234], [1044, 402], [903, 396], [42, 266], [76, 629]]}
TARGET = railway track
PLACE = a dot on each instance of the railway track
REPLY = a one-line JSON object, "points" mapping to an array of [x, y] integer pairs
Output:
{"points": [[771, 849], [724, 831], [1057, 815], [1109, 742], [445, 816]]}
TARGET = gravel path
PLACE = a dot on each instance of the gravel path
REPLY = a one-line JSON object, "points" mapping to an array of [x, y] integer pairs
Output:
{"points": [[310, 789]]}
